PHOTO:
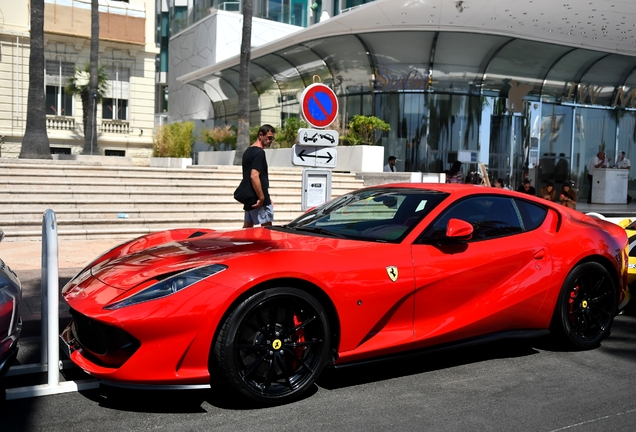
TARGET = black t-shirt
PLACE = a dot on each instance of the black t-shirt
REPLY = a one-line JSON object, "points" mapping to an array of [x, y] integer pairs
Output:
{"points": [[531, 191], [254, 158]]}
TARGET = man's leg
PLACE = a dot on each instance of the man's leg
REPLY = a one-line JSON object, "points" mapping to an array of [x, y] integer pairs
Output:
{"points": [[247, 220], [589, 192]]}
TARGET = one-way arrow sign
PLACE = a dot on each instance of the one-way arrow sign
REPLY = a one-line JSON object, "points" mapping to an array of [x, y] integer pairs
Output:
{"points": [[317, 157]]}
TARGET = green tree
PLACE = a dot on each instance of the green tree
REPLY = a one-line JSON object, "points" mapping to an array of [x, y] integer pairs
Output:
{"points": [[364, 130], [78, 86], [35, 144], [243, 135], [288, 134], [219, 135], [174, 140]]}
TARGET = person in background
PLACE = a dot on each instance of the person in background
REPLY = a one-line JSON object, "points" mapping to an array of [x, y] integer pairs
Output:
{"points": [[455, 173], [568, 195], [561, 169], [548, 192], [527, 188], [499, 183], [390, 166], [622, 162], [255, 176], [597, 161]]}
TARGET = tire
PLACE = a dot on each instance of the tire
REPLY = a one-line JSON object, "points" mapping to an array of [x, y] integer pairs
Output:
{"points": [[273, 346], [586, 306]]}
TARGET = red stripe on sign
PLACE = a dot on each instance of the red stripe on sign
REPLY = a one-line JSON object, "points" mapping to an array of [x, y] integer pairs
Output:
{"points": [[324, 112]]}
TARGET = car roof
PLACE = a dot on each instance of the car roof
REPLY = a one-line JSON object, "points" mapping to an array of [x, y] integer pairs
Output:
{"points": [[460, 190]]}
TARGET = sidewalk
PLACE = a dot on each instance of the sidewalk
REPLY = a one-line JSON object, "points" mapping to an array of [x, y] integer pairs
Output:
{"points": [[25, 259]]}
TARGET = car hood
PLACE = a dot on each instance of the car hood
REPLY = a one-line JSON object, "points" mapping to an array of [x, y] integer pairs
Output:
{"points": [[128, 271]]}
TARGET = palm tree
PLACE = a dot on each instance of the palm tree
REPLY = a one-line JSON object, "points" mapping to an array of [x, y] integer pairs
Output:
{"points": [[243, 135], [90, 130], [78, 86], [35, 144]]}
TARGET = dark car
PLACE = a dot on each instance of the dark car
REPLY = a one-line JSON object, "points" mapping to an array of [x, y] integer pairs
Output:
{"points": [[10, 322]]}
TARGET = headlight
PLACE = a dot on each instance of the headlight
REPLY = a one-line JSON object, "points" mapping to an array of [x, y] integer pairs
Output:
{"points": [[169, 286]]}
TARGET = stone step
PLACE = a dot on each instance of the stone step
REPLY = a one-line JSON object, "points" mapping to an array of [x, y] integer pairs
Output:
{"points": [[88, 200]]}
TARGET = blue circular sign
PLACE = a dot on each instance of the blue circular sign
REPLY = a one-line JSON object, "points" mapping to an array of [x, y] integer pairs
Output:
{"points": [[319, 105]]}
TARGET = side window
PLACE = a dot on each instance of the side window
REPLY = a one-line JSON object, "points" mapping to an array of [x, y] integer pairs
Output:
{"points": [[490, 217], [532, 214]]}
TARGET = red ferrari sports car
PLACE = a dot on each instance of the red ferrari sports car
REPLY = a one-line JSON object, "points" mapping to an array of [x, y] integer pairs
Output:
{"points": [[378, 272]]}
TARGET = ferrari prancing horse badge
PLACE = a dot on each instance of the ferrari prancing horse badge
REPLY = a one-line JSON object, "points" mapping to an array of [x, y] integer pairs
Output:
{"points": [[392, 271]]}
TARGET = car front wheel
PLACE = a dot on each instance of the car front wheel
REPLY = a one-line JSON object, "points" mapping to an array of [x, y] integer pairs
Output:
{"points": [[586, 307], [272, 347]]}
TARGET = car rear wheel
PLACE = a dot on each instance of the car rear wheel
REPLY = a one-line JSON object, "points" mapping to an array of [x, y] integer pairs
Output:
{"points": [[273, 346], [586, 307]]}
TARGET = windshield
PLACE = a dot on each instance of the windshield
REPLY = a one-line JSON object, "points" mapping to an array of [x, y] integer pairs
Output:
{"points": [[377, 214]]}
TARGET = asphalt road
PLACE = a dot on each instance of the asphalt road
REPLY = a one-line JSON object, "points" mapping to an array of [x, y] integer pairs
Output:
{"points": [[507, 386]]}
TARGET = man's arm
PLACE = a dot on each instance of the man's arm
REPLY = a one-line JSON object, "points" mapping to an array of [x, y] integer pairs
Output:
{"points": [[599, 164], [255, 177]]}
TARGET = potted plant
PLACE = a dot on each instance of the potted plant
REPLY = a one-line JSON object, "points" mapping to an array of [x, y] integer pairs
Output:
{"points": [[172, 145], [220, 138]]}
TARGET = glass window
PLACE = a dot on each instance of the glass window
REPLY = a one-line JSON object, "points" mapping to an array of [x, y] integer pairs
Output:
{"points": [[596, 132], [406, 114], [490, 216], [525, 62], [307, 63], [459, 58], [599, 83], [347, 60], [555, 142], [377, 214], [407, 72], [453, 124], [532, 214], [567, 71], [115, 102], [114, 109], [58, 101]]}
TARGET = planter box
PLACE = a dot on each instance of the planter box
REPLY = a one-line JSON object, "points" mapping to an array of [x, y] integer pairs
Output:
{"points": [[350, 158], [166, 162]]}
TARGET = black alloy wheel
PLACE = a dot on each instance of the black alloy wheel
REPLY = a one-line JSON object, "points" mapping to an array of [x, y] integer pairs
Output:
{"points": [[273, 346], [587, 306]]}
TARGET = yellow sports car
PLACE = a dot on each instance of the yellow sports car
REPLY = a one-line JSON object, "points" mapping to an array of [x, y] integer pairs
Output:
{"points": [[630, 229]]}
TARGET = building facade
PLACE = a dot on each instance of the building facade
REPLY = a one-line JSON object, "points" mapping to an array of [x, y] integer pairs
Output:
{"points": [[127, 50], [528, 91]]}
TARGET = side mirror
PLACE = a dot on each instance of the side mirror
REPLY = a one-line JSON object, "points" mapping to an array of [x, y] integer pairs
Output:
{"points": [[458, 229]]}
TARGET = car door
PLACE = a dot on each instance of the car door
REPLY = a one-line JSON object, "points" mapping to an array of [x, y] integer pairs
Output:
{"points": [[495, 281]]}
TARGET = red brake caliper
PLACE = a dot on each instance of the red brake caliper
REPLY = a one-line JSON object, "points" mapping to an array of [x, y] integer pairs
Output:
{"points": [[571, 301], [299, 336]]}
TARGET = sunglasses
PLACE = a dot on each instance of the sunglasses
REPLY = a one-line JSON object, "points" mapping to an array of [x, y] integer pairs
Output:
{"points": [[270, 137]]}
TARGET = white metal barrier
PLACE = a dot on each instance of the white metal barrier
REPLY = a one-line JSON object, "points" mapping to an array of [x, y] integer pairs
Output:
{"points": [[50, 347]]}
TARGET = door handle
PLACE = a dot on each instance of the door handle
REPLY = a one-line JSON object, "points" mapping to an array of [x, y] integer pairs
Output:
{"points": [[539, 255]]}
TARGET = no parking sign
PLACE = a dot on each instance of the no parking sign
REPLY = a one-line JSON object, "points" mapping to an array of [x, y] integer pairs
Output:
{"points": [[319, 105]]}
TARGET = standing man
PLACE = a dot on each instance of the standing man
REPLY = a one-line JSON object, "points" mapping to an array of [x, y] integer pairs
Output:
{"points": [[390, 167], [256, 178], [622, 162], [597, 162]]}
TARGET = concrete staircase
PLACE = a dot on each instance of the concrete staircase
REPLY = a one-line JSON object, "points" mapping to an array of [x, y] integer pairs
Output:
{"points": [[93, 202]]}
